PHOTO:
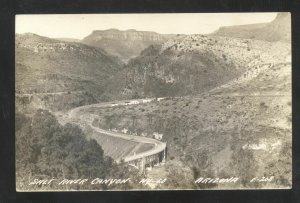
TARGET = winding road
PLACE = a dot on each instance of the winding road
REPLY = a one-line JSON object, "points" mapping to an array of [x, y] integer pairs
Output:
{"points": [[82, 117]]}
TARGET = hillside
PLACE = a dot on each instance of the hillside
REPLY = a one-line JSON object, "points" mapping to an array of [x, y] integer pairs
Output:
{"points": [[124, 44], [44, 148], [56, 75], [234, 133], [189, 65], [68, 39], [221, 102], [239, 128], [277, 30]]}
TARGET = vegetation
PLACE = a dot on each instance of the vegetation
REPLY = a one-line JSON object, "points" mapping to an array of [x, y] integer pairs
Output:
{"points": [[60, 75], [226, 126], [208, 136], [45, 150]]}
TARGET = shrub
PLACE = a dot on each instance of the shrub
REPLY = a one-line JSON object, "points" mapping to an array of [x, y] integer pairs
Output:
{"points": [[56, 151], [224, 57], [263, 104]]}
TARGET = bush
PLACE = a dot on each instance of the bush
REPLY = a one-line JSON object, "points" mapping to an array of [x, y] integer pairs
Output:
{"points": [[224, 57], [263, 104], [46, 148]]}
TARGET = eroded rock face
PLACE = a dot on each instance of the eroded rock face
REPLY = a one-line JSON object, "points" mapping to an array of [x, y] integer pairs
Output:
{"points": [[124, 44], [196, 63], [125, 35], [277, 30]]}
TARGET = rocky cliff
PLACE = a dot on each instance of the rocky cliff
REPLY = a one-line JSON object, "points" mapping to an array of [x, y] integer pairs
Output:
{"points": [[124, 44], [277, 30]]}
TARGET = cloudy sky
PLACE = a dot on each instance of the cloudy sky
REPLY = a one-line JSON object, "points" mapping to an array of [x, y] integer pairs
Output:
{"points": [[80, 25]]}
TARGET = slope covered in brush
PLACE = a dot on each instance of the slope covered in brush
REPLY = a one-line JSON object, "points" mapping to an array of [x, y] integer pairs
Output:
{"points": [[187, 65], [56, 74]]}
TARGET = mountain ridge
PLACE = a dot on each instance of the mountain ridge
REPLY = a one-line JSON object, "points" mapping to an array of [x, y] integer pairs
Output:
{"points": [[125, 44], [45, 65], [191, 64], [276, 30]]}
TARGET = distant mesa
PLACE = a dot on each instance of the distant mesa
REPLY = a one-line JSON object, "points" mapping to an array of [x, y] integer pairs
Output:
{"points": [[125, 44], [30, 34], [131, 30], [68, 39], [277, 30]]}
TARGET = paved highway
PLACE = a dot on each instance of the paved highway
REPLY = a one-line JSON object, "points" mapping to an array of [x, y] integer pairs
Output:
{"points": [[81, 116]]}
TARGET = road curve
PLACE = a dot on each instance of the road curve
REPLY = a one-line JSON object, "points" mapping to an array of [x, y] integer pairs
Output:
{"points": [[80, 116]]}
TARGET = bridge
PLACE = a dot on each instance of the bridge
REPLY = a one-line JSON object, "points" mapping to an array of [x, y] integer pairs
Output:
{"points": [[142, 160], [149, 161], [139, 159]]}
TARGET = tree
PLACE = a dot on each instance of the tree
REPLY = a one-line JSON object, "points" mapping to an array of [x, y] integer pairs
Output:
{"points": [[46, 149]]}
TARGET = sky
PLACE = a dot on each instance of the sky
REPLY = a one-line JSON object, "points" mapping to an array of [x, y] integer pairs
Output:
{"points": [[79, 26]]}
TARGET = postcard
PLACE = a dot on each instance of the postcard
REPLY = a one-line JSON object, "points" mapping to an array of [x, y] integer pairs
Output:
{"points": [[170, 101]]}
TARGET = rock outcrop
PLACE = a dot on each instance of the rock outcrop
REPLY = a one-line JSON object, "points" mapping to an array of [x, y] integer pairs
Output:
{"points": [[277, 30], [124, 44]]}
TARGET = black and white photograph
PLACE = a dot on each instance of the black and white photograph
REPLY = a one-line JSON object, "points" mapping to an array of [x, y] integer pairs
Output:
{"points": [[153, 101]]}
